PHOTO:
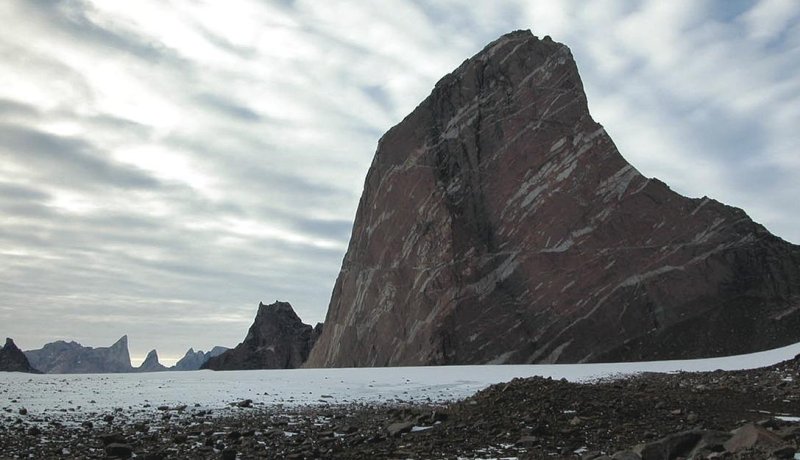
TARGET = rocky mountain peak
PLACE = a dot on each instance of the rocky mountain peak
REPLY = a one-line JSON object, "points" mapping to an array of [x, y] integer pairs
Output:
{"points": [[61, 357], [12, 359], [278, 339], [121, 343], [500, 224], [151, 363], [193, 360]]}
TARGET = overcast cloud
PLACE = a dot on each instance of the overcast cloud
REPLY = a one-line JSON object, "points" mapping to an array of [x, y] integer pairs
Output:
{"points": [[165, 166]]}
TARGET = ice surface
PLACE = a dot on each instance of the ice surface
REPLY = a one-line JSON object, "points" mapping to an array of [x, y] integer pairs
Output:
{"points": [[103, 392]]}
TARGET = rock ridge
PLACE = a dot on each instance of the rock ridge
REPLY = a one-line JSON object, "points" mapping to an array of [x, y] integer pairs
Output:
{"points": [[193, 360], [63, 357], [500, 224], [12, 359], [277, 339], [151, 363]]}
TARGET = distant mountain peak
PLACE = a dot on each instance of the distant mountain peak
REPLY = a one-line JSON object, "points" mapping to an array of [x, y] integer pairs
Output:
{"points": [[277, 339], [61, 357], [151, 364], [12, 359], [193, 360]]}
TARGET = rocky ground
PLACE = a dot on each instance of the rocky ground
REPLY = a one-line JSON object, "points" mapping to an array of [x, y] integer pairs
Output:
{"points": [[742, 414]]}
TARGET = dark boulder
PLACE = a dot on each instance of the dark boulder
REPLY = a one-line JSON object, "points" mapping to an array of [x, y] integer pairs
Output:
{"points": [[12, 359]]}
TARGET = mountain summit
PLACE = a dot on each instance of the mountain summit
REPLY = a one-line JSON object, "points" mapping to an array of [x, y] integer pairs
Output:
{"points": [[151, 363], [62, 357], [500, 224], [277, 339], [12, 359]]}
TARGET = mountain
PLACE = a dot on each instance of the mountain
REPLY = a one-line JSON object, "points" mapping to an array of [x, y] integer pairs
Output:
{"points": [[151, 364], [278, 339], [192, 360], [72, 358], [500, 224], [12, 359]]}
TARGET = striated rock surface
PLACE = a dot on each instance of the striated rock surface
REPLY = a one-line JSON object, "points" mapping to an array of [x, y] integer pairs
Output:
{"points": [[193, 360], [278, 339], [499, 224], [151, 364], [12, 359], [62, 357]]}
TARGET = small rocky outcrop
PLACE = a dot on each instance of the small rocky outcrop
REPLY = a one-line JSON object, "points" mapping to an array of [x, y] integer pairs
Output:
{"points": [[62, 357], [500, 224], [12, 359], [193, 360], [151, 364], [278, 339]]}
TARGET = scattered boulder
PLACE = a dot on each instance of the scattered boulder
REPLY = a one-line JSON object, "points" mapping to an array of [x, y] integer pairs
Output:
{"points": [[626, 455], [112, 438], [784, 452], [396, 429], [753, 436], [528, 441], [682, 444], [247, 403]]}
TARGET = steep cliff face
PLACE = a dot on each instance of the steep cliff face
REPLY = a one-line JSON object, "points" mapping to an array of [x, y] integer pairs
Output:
{"points": [[278, 339], [72, 358], [499, 224], [12, 359]]}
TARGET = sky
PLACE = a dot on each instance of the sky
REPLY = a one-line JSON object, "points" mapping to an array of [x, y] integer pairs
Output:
{"points": [[167, 165]]}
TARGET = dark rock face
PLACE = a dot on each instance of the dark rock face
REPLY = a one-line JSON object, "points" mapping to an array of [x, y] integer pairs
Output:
{"points": [[151, 364], [72, 358], [316, 333], [499, 224], [12, 359], [278, 339], [193, 360]]}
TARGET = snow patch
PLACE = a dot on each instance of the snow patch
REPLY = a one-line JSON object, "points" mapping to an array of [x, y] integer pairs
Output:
{"points": [[296, 387]]}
